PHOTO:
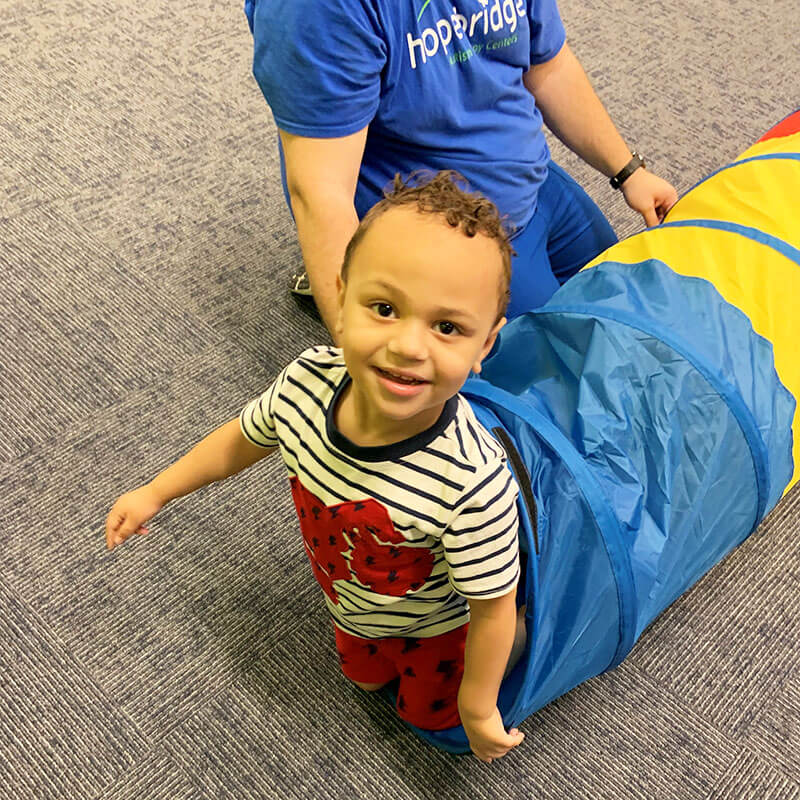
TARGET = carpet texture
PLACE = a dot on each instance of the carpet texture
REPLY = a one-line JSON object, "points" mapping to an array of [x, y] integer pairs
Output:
{"points": [[145, 251]]}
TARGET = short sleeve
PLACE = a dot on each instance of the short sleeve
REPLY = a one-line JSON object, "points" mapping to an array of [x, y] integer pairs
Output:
{"points": [[547, 30], [318, 63], [256, 418], [481, 544]]}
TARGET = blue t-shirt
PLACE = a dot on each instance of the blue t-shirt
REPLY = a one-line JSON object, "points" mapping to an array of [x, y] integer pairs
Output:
{"points": [[439, 82]]}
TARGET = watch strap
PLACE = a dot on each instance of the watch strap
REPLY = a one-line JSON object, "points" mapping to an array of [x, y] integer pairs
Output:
{"points": [[628, 170]]}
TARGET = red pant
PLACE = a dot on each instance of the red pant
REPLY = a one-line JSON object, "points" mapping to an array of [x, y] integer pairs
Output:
{"points": [[429, 670]]}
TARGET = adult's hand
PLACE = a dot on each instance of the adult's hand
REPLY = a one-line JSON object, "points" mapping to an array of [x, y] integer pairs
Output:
{"points": [[321, 175], [650, 195]]}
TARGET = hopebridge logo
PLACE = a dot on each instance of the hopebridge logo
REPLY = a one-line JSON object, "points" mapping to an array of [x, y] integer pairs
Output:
{"points": [[446, 32]]}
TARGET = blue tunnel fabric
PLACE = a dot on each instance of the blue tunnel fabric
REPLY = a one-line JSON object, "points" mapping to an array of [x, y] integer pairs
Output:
{"points": [[656, 436]]}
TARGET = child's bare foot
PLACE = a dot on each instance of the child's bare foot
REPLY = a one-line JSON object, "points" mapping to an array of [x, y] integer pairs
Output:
{"points": [[368, 687]]}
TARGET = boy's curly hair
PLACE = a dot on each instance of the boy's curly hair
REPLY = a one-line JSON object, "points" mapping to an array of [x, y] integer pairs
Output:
{"points": [[446, 193]]}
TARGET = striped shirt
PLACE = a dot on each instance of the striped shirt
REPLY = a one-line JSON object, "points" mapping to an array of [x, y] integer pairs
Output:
{"points": [[399, 535]]}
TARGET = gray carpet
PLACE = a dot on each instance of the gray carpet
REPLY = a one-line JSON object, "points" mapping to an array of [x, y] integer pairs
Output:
{"points": [[145, 250]]}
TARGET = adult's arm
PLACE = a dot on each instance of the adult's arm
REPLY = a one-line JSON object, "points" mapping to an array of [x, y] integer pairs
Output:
{"points": [[574, 113], [321, 175]]}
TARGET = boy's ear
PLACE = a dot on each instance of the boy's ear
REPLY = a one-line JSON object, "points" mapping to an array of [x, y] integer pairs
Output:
{"points": [[340, 290], [488, 344]]}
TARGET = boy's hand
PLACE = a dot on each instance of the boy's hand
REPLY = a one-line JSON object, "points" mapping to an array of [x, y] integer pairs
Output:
{"points": [[488, 738], [129, 514]]}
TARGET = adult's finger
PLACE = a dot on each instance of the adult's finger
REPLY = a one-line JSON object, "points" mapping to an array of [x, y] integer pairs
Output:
{"points": [[650, 216]]}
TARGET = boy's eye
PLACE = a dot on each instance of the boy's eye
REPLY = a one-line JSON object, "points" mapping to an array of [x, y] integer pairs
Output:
{"points": [[447, 328], [382, 309]]}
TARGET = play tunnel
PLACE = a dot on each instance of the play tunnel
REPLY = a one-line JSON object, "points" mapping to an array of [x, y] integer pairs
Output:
{"points": [[647, 411]]}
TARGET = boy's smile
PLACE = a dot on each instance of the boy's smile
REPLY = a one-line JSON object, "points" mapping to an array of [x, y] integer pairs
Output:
{"points": [[418, 311], [401, 383]]}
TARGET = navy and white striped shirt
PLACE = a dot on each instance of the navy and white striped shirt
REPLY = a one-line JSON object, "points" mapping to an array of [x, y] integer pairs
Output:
{"points": [[399, 535]]}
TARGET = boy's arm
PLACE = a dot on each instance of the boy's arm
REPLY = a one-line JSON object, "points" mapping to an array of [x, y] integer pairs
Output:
{"points": [[489, 640], [222, 453]]}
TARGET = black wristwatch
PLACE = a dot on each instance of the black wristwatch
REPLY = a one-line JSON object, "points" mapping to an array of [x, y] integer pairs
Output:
{"points": [[628, 170]]}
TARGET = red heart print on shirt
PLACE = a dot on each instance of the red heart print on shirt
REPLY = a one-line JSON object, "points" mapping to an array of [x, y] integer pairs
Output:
{"points": [[357, 540]]}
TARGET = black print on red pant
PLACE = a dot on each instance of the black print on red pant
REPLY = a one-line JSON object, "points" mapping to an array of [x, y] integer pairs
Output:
{"points": [[377, 555]]}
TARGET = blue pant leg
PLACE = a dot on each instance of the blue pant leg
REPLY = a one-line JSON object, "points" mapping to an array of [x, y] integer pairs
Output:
{"points": [[532, 279], [577, 229], [566, 232]]}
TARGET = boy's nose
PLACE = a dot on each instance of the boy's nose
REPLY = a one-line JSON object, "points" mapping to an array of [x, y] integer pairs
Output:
{"points": [[408, 341]]}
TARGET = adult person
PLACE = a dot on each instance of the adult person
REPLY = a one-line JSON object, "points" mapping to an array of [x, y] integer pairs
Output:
{"points": [[363, 89]]}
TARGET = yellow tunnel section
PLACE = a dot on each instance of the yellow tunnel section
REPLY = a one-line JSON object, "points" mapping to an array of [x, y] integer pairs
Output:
{"points": [[740, 230]]}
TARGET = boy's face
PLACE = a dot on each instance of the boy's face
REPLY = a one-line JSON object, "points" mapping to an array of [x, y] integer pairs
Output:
{"points": [[417, 313]]}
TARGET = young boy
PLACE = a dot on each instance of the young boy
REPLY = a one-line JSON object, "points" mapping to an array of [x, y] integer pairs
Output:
{"points": [[405, 503]]}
